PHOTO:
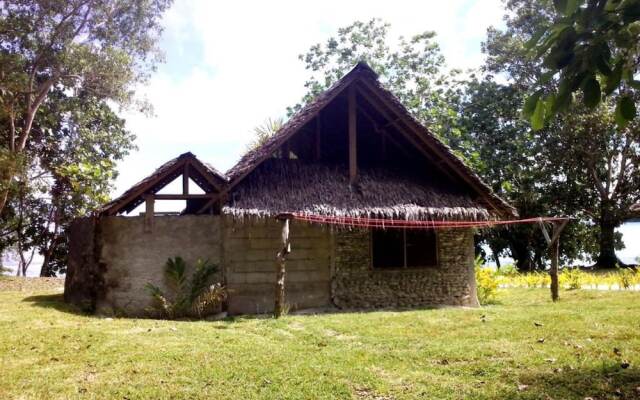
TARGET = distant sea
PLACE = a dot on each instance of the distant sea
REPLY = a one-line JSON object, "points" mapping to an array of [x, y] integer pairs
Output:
{"points": [[630, 236]]}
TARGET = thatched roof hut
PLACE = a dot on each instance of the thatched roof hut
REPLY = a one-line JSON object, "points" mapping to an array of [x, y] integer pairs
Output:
{"points": [[352, 157]]}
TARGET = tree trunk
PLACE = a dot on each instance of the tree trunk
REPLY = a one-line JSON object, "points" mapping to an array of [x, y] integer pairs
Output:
{"points": [[46, 271], [4, 194], [496, 258], [607, 257]]}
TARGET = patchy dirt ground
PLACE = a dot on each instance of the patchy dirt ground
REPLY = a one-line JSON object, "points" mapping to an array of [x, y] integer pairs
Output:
{"points": [[13, 283]]}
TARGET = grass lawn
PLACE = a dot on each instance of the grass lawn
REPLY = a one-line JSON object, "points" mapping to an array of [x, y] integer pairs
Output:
{"points": [[48, 350]]}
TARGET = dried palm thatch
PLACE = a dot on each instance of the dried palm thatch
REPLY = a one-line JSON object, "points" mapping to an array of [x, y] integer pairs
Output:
{"points": [[290, 186]]}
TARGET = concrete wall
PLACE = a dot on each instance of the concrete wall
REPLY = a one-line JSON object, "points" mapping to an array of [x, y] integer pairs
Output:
{"points": [[250, 248], [133, 257], [111, 262], [357, 285]]}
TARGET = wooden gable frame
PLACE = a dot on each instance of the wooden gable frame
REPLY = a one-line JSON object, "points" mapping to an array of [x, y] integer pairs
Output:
{"points": [[186, 165]]}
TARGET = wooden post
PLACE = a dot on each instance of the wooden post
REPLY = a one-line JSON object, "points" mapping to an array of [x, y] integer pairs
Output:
{"points": [[148, 213], [555, 252], [279, 303], [353, 151], [185, 180]]}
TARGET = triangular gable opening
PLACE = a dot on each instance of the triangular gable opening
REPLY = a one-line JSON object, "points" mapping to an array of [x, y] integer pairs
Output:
{"points": [[186, 169]]}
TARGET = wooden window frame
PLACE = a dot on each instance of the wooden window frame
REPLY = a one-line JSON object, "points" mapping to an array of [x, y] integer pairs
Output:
{"points": [[405, 267]]}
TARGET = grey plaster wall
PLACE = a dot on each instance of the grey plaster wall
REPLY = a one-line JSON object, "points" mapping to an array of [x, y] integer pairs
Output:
{"points": [[132, 257]]}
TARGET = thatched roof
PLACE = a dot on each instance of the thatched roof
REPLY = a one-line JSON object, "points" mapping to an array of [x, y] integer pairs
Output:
{"points": [[203, 174], [263, 185], [367, 79], [291, 186]]}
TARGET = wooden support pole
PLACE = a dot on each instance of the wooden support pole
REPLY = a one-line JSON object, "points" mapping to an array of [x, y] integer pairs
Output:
{"points": [[148, 213], [286, 150], [554, 254], [353, 129], [185, 179], [553, 271], [279, 303]]}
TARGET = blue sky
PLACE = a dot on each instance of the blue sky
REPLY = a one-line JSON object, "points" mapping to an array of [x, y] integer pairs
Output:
{"points": [[231, 65]]}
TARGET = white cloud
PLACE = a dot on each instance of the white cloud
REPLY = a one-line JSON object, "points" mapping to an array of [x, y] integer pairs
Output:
{"points": [[230, 65]]}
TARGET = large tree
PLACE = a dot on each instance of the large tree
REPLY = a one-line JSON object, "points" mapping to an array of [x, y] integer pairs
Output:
{"points": [[500, 146], [572, 190], [596, 163], [69, 168], [99, 48]]}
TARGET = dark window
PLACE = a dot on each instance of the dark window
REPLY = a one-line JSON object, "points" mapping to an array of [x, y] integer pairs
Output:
{"points": [[398, 248]]}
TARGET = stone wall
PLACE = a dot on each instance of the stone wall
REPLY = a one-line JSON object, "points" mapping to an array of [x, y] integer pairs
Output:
{"points": [[357, 285], [250, 248], [132, 257]]}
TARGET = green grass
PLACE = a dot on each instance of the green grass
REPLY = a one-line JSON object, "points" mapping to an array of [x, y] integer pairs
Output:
{"points": [[48, 350]]}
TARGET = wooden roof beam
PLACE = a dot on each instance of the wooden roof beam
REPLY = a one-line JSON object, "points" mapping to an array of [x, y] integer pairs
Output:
{"points": [[353, 135]]}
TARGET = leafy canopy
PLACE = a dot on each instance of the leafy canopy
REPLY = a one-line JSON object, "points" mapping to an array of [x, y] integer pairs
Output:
{"points": [[591, 47]]}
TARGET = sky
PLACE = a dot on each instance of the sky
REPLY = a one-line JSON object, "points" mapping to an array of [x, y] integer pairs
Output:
{"points": [[231, 65]]}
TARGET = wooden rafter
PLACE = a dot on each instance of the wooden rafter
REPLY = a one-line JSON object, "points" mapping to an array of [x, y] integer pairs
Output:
{"points": [[353, 135]]}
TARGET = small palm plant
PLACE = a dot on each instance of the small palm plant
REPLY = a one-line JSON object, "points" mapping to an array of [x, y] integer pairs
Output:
{"points": [[194, 298]]}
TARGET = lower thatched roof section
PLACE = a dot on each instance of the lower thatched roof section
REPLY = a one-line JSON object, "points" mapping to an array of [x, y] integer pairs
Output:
{"points": [[293, 187]]}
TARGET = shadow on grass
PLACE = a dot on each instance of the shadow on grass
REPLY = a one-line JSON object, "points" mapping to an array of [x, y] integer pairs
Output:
{"points": [[609, 381], [56, 302]]}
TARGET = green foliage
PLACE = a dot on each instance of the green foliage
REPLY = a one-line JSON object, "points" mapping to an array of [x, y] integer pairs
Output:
{"points": [[412, 68], [581, 164], [574, 278], [627, 277], [263, 132], [64, 65], [585, 42], [571, 278], [189, 298], [486, 282], [508, 270]]}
